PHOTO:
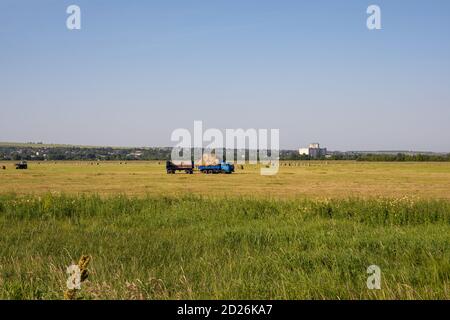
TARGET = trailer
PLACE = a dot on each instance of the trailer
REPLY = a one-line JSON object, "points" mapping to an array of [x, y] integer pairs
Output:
{"points": [[223, 167], [172, 168]]}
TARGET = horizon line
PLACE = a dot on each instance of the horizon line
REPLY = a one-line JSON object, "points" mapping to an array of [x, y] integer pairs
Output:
{"points": [[55, 145]]}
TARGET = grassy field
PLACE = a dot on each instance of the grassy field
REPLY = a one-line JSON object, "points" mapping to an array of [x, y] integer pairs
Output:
{"points": [[308, 233], [301, 179]]}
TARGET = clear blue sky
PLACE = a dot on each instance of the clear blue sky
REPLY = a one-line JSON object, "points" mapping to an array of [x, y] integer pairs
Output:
{"points": [[140, 69]]}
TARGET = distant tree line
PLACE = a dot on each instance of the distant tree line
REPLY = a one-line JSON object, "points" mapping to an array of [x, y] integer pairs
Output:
{"points": [[400, 157], [82, 153], [53, 153]]}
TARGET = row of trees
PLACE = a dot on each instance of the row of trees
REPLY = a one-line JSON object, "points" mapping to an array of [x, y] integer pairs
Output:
{"points": [[43, 153], [391, 157], [82, 153]]}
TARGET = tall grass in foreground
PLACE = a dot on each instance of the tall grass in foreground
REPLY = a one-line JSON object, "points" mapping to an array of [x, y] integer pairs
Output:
{"points": [[241, 248]]}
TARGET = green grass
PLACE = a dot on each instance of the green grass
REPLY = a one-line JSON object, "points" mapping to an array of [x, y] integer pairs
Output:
{"points": [[157, 247]]}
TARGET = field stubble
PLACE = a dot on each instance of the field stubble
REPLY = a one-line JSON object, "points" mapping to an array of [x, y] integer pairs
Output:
{"points": [[317, 179]]}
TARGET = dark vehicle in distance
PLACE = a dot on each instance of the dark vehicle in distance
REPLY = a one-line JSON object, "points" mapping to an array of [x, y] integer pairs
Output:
{"points": [[22, 165], [171, 167]]}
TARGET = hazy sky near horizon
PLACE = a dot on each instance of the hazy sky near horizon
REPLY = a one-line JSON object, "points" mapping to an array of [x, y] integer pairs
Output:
{"points": [[137, 70]]}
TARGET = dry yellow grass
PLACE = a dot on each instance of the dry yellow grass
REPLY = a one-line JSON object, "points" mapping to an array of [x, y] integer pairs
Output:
{"points": [[311, 179]]}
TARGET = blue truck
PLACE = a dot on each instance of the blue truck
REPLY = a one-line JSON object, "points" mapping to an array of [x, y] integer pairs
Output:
{"points": [[222, 167]]}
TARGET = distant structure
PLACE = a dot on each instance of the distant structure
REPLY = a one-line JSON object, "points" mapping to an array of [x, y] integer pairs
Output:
{"points": [[314, 151]]}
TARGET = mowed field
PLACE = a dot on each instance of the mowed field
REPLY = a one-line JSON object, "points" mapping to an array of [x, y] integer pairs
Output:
{"points": [[310, 232], [319, 179]]}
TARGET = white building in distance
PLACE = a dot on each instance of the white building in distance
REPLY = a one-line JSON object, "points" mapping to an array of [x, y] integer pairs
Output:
{"points": [[314, 151]]}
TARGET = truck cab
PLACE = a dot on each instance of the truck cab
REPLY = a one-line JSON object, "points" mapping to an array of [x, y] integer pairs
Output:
{"points": [[227, 167]]}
